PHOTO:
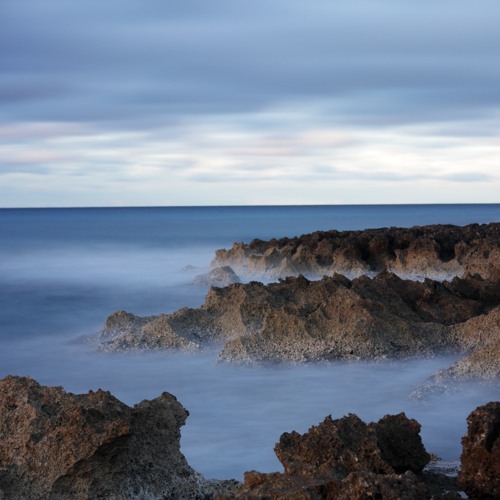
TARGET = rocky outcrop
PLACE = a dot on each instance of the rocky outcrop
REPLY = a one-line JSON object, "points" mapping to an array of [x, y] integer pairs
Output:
{"points": [[337, 318], [480, 338], [125, 331], [437, 251], [219, 276], [58, 445], [333, 318], [480, 471], [346, 459]]}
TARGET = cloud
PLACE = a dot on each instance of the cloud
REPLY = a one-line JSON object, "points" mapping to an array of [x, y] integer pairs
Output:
{"points": [[199, 93], [110, 62]]}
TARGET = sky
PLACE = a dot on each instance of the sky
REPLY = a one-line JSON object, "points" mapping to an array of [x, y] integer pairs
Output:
{"points": [[226, 102]]}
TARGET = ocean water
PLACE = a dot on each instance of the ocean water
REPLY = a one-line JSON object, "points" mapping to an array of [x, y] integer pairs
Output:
{"points": [[63, 271]]}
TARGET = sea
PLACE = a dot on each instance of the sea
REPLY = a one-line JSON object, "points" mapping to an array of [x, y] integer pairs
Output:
{"points": [[64, 270]]}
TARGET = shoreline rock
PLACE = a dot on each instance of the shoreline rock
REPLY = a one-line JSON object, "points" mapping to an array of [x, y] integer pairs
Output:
{"points": [[55, 445], [349, 459], [434, 251], [376, 315], [59, 445], [480, 461], [297, 320]]}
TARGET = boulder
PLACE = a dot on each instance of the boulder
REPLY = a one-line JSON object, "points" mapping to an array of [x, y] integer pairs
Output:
{"points": [[59, 445], [346, 459], [219, 276], [480, 470]]}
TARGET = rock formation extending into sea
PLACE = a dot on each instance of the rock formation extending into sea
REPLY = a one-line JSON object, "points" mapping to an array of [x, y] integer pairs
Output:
{"points": [[437, 251], [298, 320], [378, 314], [58, 445]]}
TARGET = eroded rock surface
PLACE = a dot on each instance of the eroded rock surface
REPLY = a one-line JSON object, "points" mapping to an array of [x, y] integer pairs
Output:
{"points": [[58, 445], [436, 251], [480, 470], [333, 318], [336, 318], [479, 337], [347, 459]]}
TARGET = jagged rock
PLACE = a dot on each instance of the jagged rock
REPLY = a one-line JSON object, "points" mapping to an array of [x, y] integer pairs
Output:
{"points": [[125, 331], [480, 471], [220, 276], [398, 438], [346, 459], [437, 251], [58, 445], [480, 336], [333, 318]]}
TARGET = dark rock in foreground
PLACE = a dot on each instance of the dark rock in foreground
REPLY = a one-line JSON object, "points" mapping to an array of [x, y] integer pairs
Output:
{"points": [[59, 445], [346, 459], [480, 471], [436, 251]]}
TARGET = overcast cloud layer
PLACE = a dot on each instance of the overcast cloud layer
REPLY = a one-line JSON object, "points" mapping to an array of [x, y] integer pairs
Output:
{"points": [[262, 102]]}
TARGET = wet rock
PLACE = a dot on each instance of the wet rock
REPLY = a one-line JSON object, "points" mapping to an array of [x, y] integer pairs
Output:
{"points": [[480, 470], [346, 459], [59, 445], [437, 251], [220, 276]]}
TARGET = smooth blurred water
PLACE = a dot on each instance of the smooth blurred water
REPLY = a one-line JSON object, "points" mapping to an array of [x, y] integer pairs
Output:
{"points": [[63, 271]]}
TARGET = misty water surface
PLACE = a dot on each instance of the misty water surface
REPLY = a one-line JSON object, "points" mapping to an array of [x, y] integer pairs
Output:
{"points": [[63, 272]]}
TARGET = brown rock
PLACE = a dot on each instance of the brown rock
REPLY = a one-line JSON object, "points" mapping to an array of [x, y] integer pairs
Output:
{"points": [[59, 445], [434, 251], [480, 336], [334, 449], [398, 438], [333, 318], [480, 470], [346, 459], [124, 331]]}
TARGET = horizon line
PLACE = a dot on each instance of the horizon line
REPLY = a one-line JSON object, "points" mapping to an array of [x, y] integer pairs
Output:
{"points": [[78, 207]]}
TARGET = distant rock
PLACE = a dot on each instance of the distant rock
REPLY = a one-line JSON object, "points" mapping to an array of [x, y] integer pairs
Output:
{"points": [[59, 445], [436, 251], [346, 459], [480, 469], [124, 331], [220, 276]]}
